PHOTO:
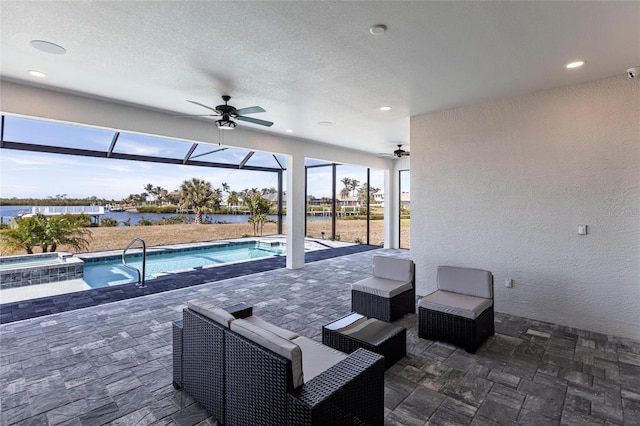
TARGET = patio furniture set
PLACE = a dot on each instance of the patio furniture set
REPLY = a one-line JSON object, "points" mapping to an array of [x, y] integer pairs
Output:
{"points": [[244, 370]]}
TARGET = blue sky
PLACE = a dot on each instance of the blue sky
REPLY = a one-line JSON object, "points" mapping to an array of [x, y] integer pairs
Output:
{"points": [[40, 175]]}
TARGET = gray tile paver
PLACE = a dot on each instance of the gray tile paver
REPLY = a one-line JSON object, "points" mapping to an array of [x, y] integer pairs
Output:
{"points": [[111, 364]]}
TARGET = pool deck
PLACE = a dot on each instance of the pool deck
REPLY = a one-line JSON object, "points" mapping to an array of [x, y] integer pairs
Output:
{"points": [[111, 364], [24, 309]]}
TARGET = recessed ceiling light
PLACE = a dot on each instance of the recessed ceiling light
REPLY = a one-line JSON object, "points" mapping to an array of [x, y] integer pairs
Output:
{"points": [[48, 47], [575, 64], [385, 108], [325, 123], [289, 131], [378, 29], [37, 73]]}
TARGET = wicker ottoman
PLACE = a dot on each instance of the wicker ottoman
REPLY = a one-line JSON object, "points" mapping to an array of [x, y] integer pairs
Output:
{"points": [[354, 331]]}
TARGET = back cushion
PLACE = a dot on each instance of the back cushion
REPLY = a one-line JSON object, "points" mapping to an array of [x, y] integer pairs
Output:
{"points": [[474, 282], [211, 311], [393, 268], [274, 343]]}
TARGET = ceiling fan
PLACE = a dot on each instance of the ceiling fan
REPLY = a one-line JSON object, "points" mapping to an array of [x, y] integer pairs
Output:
{"points": [[398, 153], [228, 113]]}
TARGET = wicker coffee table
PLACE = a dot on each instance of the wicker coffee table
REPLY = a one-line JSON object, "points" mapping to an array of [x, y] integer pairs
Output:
{"points": [[355, 331]]}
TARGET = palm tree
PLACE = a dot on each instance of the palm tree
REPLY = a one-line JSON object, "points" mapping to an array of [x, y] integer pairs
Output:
{"points": [[259, 208], [196, 194], [344, 192], [150, 189], [365, 193], [233, 199], [24, 236], [354, 185], [161, 194], [63, 231], [217, 199], [47, 233]]}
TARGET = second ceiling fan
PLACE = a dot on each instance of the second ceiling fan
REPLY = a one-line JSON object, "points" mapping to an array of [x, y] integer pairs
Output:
{"points": [[229, 112]]}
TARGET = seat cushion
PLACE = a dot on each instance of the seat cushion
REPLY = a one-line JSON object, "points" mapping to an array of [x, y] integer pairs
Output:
{"points": [[461, 305], [393, 268], [258, 322], [474, 282], [382, 287], [316, 357], [211, 311], [277, 344]]}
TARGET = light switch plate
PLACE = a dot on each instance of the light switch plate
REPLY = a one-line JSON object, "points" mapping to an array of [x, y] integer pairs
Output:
{"points": [[582, 229]]}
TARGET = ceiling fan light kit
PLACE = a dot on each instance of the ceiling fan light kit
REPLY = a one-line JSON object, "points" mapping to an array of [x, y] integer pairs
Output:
{"points": [[226, 124]]}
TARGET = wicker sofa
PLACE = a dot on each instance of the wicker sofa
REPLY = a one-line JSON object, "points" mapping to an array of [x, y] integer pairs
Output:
{"points": [[253, 372], [390, 293], [461, 310]]}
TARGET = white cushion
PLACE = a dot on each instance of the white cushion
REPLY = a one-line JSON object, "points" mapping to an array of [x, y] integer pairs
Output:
{"points": [[457, 304], [271, 341], [211, 311], [382, 287], [474, 282], [258, 322], [317, 357], [393, 268]]}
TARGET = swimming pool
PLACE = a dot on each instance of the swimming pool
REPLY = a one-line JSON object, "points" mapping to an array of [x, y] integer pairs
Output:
{"points": [[104, 272]]}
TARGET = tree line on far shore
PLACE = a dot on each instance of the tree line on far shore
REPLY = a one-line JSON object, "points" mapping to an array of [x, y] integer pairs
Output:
{"points": [[194, 195]]}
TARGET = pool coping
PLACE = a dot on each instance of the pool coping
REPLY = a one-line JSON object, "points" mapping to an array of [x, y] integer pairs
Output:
{"points": [[33, 308]]}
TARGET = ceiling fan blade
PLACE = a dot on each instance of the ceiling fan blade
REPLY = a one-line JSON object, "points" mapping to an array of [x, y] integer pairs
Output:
{"points": [[255, 121], [197, 115], [204, 106], [250, 110]]}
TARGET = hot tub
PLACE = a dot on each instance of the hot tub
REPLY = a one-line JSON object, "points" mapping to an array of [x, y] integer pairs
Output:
{"points": [[32, 269]]}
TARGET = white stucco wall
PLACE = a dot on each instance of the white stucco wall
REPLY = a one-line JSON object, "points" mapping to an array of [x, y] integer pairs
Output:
{"points": [[503, 186]]}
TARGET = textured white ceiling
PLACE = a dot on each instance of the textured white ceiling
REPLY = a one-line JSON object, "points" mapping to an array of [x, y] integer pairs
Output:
{"points": [[311, 61]]}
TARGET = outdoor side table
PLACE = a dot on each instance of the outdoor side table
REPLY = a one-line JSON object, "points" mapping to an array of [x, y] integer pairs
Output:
{"points": [[354, 331]]}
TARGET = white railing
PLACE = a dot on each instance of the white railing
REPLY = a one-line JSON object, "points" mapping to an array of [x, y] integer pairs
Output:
{"points": [[56, 210]]}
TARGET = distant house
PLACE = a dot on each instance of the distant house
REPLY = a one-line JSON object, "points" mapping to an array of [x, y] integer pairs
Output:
{"points": [[274, 199], [405, 200]]}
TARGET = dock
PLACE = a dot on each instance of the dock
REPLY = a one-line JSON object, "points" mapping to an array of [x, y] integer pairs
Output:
{"points": [[94, 211]]}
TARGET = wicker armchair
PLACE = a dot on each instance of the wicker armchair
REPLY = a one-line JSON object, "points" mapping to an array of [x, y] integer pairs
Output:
{"points": [[461, 310], [259, 389], [390, 293], [198, 352], [235, 369]]}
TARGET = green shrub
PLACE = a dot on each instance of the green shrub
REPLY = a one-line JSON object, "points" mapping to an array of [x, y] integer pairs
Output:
{"points": [[363, 217], [108, 222], [157, 209], [174, 220], [78, 220], [144, 222]]}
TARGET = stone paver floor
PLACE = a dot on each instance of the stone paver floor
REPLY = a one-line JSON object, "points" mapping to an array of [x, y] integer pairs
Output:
{"points": [[111, 364]]}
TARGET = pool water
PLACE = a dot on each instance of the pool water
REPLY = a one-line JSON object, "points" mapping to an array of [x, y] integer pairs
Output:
{"points": [[104, 273], [29, 261]]}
